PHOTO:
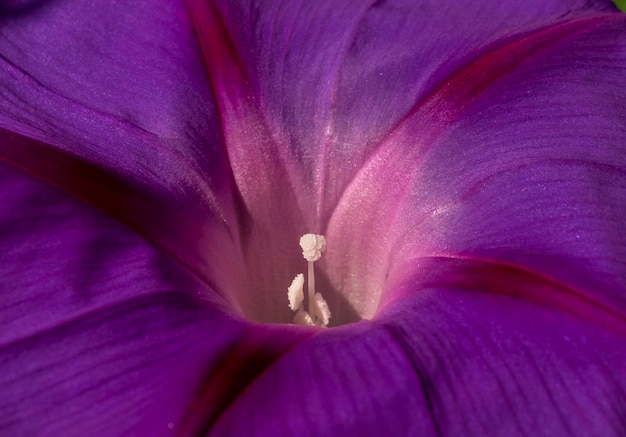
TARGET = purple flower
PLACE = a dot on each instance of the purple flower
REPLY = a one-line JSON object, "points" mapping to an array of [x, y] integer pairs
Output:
{"points": [[466, 162]]}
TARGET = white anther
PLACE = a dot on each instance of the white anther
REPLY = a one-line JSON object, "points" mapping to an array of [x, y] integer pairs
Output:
{"points": [[320, 311], [303, 318], [312, 246], [295, 292]]}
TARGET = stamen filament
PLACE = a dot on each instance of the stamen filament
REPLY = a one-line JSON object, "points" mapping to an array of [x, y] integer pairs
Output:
{"points": [[311, 287]]}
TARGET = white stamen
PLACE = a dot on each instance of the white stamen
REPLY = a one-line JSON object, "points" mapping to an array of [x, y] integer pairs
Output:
{"points": [[303, 318], [318, 313], [295, 292]]}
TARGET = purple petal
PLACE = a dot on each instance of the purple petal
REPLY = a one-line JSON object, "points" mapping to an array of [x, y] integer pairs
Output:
{"points": [[451, 359], [303, 80], [352, 101], [505, 328], [102, 334], [518, 159], [120, 91]]}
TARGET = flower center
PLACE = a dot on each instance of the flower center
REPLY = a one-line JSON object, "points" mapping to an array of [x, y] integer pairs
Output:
{"points": [[315, 312]]}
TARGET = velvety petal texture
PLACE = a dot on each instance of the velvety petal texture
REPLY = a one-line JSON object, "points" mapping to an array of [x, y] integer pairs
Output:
{"points": [[471, 180], [453, 359], [93, 320], [460, 102], [122, 90], [159, 161], [116, 328], [518, 160], [104, 335]]}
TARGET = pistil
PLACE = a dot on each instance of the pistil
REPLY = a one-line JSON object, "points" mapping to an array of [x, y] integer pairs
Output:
{"points": [[317, 312]]}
